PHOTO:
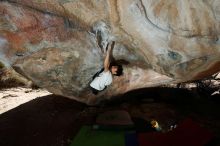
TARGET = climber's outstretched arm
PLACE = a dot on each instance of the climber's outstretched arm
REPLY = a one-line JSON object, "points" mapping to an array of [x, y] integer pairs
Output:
{"points": [[108, 55]]}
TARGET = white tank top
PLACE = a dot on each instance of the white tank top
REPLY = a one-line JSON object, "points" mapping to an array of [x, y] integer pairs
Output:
{"points": [[102, 80]]}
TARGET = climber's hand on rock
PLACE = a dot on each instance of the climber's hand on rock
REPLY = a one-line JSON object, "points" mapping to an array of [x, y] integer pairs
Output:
{"points": [[110, 46]]}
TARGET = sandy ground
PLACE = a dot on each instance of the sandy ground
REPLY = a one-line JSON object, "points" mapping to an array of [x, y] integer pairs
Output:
{"points": [[13, 97]]}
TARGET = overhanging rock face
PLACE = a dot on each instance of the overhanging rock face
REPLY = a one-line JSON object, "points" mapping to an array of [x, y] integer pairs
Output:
{"points": [[57, 44]]}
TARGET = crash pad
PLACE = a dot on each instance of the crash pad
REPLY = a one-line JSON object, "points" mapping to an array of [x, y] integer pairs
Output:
{"points": [[131, 139], [89, 137], [187, 133], [114, 117]]}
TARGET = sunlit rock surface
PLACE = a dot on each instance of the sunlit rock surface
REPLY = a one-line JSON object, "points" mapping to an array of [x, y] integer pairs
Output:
{"points": [[58, 43]]}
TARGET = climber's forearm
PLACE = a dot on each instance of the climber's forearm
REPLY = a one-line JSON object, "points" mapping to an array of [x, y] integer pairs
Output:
{"points": [[107, 58]]}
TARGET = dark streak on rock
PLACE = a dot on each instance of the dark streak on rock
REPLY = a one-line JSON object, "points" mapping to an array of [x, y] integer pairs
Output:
{"points": [[174, 55]]}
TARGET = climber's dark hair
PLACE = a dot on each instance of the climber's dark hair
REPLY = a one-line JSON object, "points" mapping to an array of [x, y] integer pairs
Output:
{"points": [[119, 70]]}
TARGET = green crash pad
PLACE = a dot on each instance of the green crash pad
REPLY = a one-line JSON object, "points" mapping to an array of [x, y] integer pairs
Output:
{"points": [[89, 137]]}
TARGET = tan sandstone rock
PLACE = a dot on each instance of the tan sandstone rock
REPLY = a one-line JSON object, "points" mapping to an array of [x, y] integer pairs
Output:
{"points": [[54, 42]]}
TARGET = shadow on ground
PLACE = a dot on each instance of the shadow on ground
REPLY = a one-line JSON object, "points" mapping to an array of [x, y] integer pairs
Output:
{"points": [[54, 120]]}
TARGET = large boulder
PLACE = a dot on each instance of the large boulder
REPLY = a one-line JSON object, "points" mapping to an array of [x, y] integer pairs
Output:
{"points": [[58, 44]]}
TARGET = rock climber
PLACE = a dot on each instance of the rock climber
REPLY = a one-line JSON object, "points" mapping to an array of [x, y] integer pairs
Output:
{"points": [[104, 77]]}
